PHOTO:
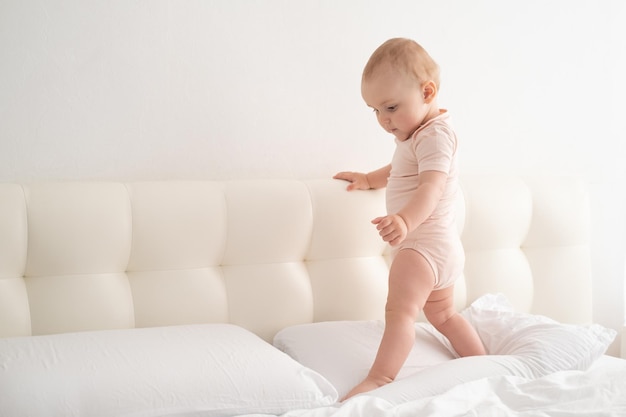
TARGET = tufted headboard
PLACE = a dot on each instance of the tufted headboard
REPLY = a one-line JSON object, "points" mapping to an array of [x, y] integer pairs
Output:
{"points": [[265, 254]]}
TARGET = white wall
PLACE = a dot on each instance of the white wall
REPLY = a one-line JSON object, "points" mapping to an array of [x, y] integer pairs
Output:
{"points": [[217, 89]]}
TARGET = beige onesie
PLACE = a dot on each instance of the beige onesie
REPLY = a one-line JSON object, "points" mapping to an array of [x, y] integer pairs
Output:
{"points": [[431, 148]]}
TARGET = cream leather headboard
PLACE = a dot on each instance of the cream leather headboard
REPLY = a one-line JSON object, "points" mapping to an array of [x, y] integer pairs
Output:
{"points": [[265, 254]]}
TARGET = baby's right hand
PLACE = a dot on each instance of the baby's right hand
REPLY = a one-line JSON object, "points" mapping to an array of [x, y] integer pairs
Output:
{"points": [[391, 228], [357, 180]]}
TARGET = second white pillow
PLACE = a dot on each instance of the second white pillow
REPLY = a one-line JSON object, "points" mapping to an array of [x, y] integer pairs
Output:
{"points": [[343, 351]]}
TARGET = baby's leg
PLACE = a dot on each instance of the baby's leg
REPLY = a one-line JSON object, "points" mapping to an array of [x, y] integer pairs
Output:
{"points": [[411, 279], [440, 312]]}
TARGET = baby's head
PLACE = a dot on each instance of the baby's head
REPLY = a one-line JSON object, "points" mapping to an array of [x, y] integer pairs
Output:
{"points": [[400, 83], [406, 57]]}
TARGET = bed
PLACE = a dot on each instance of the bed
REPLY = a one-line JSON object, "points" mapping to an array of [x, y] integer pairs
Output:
{"points": [[265, 298]]}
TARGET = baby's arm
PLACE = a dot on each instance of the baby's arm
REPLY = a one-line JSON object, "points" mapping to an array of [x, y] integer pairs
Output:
{"points": [[361, 181], [393, 228], [430, 188]]}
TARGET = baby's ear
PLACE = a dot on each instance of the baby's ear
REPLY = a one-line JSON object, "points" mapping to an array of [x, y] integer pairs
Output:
{"points": [[429, 89]]}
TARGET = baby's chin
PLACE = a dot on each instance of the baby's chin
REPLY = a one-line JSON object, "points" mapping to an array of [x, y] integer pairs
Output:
{"points": [[401, 137]]}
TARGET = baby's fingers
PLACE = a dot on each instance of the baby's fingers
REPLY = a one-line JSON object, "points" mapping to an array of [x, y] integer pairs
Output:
{"points": [[347, 176], [377, 220]]}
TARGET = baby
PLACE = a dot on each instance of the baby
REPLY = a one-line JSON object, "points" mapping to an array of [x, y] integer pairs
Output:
{"points": [[400, 83]]}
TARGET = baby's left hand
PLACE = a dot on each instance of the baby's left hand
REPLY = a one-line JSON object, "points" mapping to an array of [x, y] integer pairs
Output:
{"points": [[391, 228]]}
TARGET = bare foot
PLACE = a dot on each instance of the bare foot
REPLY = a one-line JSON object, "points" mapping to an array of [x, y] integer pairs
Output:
{"points": [[368, 384]]}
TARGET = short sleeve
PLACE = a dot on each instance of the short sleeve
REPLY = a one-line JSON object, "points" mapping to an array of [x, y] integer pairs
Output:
{"points": [[435, 149]]}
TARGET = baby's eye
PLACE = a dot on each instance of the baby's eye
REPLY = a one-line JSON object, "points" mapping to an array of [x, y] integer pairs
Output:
{"points": [[392, 108], [375, 111]]}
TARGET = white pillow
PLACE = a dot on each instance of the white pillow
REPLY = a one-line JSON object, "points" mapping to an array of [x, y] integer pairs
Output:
{"points": [[547, 345], [519, 344], [343, 351], [208, 370]]}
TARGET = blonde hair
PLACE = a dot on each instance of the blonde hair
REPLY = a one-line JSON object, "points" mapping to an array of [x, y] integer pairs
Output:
{"points": [[406, 56]]}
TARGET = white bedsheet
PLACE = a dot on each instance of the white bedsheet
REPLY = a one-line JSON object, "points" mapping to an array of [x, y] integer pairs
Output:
{"points": [[601, 391]]}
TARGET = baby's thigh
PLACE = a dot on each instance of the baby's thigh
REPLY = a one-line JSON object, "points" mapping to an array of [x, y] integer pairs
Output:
{"points": [[411, 280], [440, 305]]}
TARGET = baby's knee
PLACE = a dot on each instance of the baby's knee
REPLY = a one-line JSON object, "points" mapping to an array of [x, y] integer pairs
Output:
{"points": [[408, 311], [440, 318]]}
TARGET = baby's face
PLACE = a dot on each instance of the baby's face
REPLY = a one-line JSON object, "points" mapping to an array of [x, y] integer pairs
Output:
{"points": [[397, 100]]}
